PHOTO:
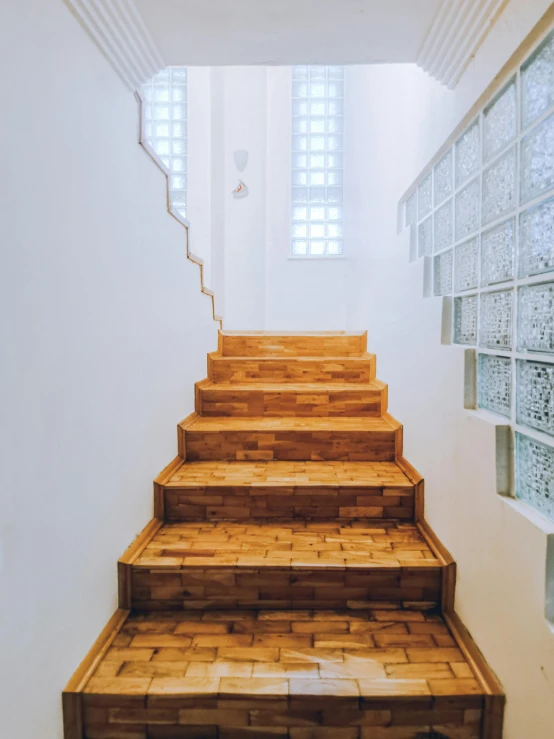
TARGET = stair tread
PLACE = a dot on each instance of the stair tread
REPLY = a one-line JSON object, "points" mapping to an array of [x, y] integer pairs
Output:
{"points": [[285, 359], [374, 655], [287, 334], [285, 474], [293, 423], [291, 387], [288, 544]]}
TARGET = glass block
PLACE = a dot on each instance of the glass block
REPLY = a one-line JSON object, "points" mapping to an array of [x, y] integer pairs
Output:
{"points": [[499, 187], [497, 253], [442, 273], [300, 177], [425, 196], [465, 320], [494, 384], [317, 247], [334, 247], [317, 195], [467, 151], [299, 194], [300, 124], [535, 323], [537, 82], [425, 237], [495, 320], [465, 265], [334, 194], [535, 395], [299, 230], [536, 239], [317, 213], [467, 210], [499, 122], [300, 72], [334, 230], [443, 178], [537, 161], [411, 209], [299, 247], [535, 474], [299, 213], [443, 226]]}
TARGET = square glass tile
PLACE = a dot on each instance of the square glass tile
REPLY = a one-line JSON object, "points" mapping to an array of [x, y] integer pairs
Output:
{"points": [[425, 237], [443, 226], [535, 323], [442, 273], [499, 187], [497, 253], [494, 384], [467, 210], [499, 122], [443, 178], [537, 82], [465, 320], [535, 474], [536, 239], [465, 265], [425, 196], [411, 209], [495, 320], [535, 395], [467, 153], [537, 161]]}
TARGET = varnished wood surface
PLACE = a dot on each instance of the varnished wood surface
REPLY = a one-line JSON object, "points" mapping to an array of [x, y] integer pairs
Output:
{"points": [[289, 345]]}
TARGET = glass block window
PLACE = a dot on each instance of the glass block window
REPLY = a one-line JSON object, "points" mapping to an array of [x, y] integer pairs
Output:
{"points": [[535, 474], [465, 320], [425, 237], [535, 318], [537, 82], [466, 260], [494, 384], [467, 210], [536, 239], [495, 320], [443, 226], [442, 273], [499, 122], [317, 160], [499, 187], [165, 129], [497, 253], [537, 161], [468, 151], [425, 196], [411, 209], [443, 178], [535, 395]]}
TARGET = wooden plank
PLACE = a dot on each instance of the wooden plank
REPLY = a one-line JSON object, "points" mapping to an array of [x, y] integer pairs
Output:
{"points": [[124, 565], [165, 475]]}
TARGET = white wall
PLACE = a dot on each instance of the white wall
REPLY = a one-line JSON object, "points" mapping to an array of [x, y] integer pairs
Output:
{"points": [[103, 330]]}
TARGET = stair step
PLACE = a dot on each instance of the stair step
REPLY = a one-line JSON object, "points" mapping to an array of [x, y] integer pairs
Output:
{"points": [[273, 343], [341, 439], [307, 490], [358, 369], [290, 564], [287, 399], [378, 674]]}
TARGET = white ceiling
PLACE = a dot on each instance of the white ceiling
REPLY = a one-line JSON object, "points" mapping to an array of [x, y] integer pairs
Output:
{"points": [[213, 32]]}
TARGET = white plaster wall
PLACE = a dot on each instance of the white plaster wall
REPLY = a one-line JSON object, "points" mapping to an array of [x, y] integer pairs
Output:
{"points": [[103, 331]]}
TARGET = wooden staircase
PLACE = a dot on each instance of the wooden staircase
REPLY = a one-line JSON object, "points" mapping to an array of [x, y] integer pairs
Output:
{"points": [[288, 585]]}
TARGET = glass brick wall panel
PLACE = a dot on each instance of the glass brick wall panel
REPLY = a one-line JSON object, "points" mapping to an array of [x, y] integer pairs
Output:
{"points": [[467, 210], [494, 384], [499, 122], [465, 320], [411, 209], [535, 325], [535, 474], [425, 196], [537, 82], [467, 154], [425, 237], [443, 226], [317, 160], [495, 320], [497, 253], [535, 395], [442, 273], [499, 187], [536, 239], [537, 161], [465, 265], [165, 128], [443, 178]]}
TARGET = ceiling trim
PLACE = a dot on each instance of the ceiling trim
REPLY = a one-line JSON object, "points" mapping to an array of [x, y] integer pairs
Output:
{"points": [[457, 31], [118, 30]]}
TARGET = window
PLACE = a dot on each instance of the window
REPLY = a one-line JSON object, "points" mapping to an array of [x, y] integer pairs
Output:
{"points": [[317, 161], [165, 129]]}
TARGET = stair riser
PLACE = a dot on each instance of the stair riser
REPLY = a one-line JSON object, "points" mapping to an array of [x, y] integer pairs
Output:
{"points": [[218, 401], [291, 346], [243, 503], [278, 588], [354, 446], [291, 370]]}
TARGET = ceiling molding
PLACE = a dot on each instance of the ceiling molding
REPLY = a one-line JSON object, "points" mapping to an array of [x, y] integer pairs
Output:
{"points": [[118, 30], [458, 30]]}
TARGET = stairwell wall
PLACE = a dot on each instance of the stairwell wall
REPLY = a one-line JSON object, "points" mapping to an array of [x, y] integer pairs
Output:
{"points": [[104, 331]]}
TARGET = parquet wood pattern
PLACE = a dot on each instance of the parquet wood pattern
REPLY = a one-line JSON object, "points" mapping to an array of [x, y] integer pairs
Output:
{"points": [[300, 345]]}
